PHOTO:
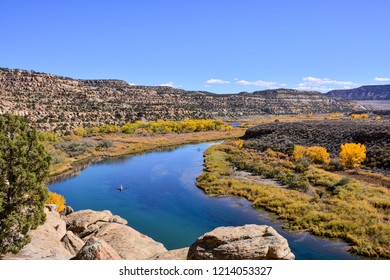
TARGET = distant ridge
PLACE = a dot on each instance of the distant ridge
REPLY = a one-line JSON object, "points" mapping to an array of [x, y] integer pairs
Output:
{"points": [[62, 103], [377, 92]]}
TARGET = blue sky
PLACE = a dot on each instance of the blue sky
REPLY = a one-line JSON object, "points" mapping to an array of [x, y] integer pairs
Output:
{"points": [[219, 46]]}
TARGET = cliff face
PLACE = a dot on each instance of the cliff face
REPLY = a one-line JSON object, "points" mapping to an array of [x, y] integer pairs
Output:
{"points": [[380, 92], [60, 103]]}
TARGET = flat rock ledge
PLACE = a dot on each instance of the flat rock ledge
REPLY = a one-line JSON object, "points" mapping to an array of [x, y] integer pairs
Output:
{"points": [[100, 235]]}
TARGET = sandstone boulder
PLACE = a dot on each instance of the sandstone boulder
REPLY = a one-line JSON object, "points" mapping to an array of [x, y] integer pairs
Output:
{"points": [[51, 207], [95, 249], [249, 242], [129, 243], [72, 242], [85, 222], [68, 210], [53, 221]]}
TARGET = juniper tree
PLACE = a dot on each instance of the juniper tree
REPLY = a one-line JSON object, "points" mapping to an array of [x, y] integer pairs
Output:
{"points": [[24, 167]]}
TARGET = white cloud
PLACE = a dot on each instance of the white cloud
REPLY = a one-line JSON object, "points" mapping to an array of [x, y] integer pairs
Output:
{"points": [[323, 84], [217, 81], [382, 79], [258, 83], [322, 89], [169, 84], [312, 81]]}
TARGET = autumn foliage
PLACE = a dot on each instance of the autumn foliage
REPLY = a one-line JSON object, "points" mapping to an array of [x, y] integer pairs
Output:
{"points": [[352, 154], [316, 154], [299, 152], [359, 116], [157, 127], [239, 143], [335, 115], [59, 200]]}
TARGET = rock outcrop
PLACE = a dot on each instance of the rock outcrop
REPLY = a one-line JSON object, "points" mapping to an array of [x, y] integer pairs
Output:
{"points": [[60, 103], [100, 235], [45, 241], [129, 243], [87, 234], [95, 249], [85, 223], [68, 210], [249, 242], [72, 242]]}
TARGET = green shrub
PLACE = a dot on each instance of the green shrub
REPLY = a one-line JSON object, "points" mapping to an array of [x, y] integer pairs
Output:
{"points": [[48, 136], [300, 183], [336, 164], [74, 148], [105, 144], [343, 182], [24, 167], [55, 157]]}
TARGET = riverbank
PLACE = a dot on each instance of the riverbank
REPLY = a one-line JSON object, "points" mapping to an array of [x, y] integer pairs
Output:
{"points": [[333, 206], [74, 153]]}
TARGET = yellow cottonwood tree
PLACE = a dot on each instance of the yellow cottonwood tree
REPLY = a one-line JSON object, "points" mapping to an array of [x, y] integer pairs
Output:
{"points": [[352, 154], [318, 154], [299, 152]]}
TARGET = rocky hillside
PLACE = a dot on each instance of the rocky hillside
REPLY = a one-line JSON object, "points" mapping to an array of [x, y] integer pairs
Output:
{"points": [[380, 92], [60, 103]]}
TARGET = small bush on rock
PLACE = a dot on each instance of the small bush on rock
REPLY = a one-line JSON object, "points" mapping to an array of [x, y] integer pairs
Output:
{"points": [[59, 200]]}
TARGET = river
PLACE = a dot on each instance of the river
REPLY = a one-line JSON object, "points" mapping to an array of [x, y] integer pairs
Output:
{"points": [[160, 199]]}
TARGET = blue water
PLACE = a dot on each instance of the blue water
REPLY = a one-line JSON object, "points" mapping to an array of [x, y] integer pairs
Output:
{"points": [[161, 200], [235, 124]]}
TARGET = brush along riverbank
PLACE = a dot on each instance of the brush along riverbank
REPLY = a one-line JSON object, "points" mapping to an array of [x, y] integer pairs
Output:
{"points": [[321, 202]]}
